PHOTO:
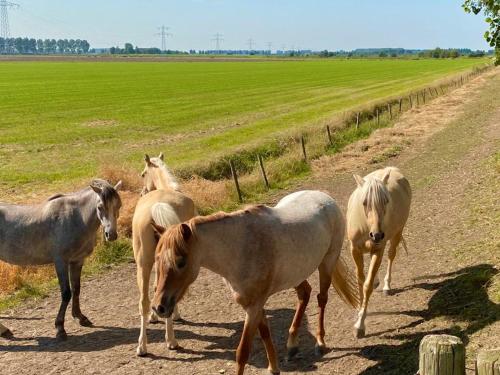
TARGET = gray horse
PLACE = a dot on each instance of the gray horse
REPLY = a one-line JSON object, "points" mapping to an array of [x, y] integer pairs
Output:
{"points": [[63, 231]]}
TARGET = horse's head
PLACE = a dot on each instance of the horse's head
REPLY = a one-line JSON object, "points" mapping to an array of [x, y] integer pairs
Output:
{"points": [[150, 173], [176, 267], [374, 198], [108, 206]]}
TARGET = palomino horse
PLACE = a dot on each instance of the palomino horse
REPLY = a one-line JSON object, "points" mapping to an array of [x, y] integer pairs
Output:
{"points": [[163, 204], [376, 213], [63, 231], [260, 251]]}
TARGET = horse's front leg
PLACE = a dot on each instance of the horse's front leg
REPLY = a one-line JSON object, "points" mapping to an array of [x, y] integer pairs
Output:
{"points": [[367, 291], [252, 321], [5, 332], [75, 272], [63, 277]]}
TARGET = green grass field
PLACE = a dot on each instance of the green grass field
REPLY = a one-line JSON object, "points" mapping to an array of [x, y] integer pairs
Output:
{"points": [[61, 121]]}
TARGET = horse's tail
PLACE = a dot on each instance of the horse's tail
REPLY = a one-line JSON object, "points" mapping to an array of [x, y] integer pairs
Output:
{"points": [[163, 214], [403, 242], [345, 283]]}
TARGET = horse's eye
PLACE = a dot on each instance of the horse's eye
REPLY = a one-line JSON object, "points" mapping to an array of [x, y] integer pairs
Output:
{"points": [[181, 263], [364, 203], [100, 207]]}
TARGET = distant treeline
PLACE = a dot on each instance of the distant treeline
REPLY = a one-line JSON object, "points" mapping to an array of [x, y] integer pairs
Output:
{"points": [[396, 52], [129, 49], [31, 46]]}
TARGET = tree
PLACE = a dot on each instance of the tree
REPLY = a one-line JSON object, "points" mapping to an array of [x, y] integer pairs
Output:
{"points": [[129, 48], [491, 9]]}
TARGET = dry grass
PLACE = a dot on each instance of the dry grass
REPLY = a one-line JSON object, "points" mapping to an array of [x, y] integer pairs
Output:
{"points": [[15, 277]]}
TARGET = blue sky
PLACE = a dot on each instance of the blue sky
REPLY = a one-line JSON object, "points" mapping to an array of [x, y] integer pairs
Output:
{"points": [[306, 24]]}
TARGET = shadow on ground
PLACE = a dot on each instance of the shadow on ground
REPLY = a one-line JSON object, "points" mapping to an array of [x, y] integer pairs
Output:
{"points": [[460, 297], [221, 347]]}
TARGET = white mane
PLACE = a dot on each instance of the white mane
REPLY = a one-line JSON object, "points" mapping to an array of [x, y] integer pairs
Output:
{"points": [[374, 193]]}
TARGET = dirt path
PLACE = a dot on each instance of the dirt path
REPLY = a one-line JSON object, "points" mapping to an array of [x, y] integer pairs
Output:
{"points": [[452, 234]]}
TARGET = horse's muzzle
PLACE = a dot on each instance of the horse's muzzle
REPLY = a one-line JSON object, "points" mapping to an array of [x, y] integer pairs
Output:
{"points": [[111, 236], [165, 309]]}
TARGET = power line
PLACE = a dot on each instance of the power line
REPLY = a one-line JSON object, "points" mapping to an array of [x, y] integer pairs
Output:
{"points": [[218, 38], [4, 21], [164, 35], [250, 44]]}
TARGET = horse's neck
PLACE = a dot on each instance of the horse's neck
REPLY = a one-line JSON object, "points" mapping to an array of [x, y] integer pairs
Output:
{"points": [[87, 204], [214, 254], [165, 180]]}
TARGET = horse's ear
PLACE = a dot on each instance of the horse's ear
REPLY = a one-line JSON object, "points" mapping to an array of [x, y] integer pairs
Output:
{"points": [[118, 185], [97, 189], [385, 179], [161, 156], [158, 229], [186, 231], [147, 159], [359, 180]]}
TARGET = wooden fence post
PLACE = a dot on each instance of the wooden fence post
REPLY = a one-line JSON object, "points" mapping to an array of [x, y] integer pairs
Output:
{"points": [[389, 108], [329, 135], [378, 117], [488, 362], [303, 142], [418, 99], [400, 104], [441, 355], [263, 171], [423, 96], [357, 120], [235, 178], [411, 103]]}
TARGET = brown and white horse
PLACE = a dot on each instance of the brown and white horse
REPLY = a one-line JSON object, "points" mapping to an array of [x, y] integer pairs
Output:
{"points": [[259, 252], [163, 204], [376, 213]]}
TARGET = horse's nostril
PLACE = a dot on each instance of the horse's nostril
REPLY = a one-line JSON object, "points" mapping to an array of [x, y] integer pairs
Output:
{"points": [[371, 234], [161, 309]]}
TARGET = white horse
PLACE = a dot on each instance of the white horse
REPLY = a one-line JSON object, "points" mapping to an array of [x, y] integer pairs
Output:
{"points": [[259, 252], [376, 213], [163, 204]]}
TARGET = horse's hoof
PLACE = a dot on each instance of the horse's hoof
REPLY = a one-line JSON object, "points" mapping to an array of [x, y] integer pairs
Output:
{"points": [[359, 333], [319, 350], [141, 352], [7, 334], [154, 321], [387, 292], [61, 336], [291, 353], [85, 322], [271, 372], [173, 346]]}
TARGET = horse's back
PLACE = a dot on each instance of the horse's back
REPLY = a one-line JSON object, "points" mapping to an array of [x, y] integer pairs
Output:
{"points": [[307, 225]]}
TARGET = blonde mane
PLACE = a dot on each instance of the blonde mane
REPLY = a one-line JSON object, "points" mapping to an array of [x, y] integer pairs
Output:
{"points": [[375, 195], [172, 181]]}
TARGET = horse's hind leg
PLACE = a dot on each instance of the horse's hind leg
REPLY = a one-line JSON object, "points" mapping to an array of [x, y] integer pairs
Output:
{"points": [[143, 276], [265, 334], [325, 280], [75, 272], [63, 277], [303, 294], [5, 332], [391, 255]]}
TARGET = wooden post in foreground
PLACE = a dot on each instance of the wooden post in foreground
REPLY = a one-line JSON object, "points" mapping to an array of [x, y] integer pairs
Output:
{"points": [[488, 362], [400, 105], [264, 175], [441, 355], [389, 108], [235, 178], [411, 103], [357, 120], [303, 142], [329, 135], [378, 117]]}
